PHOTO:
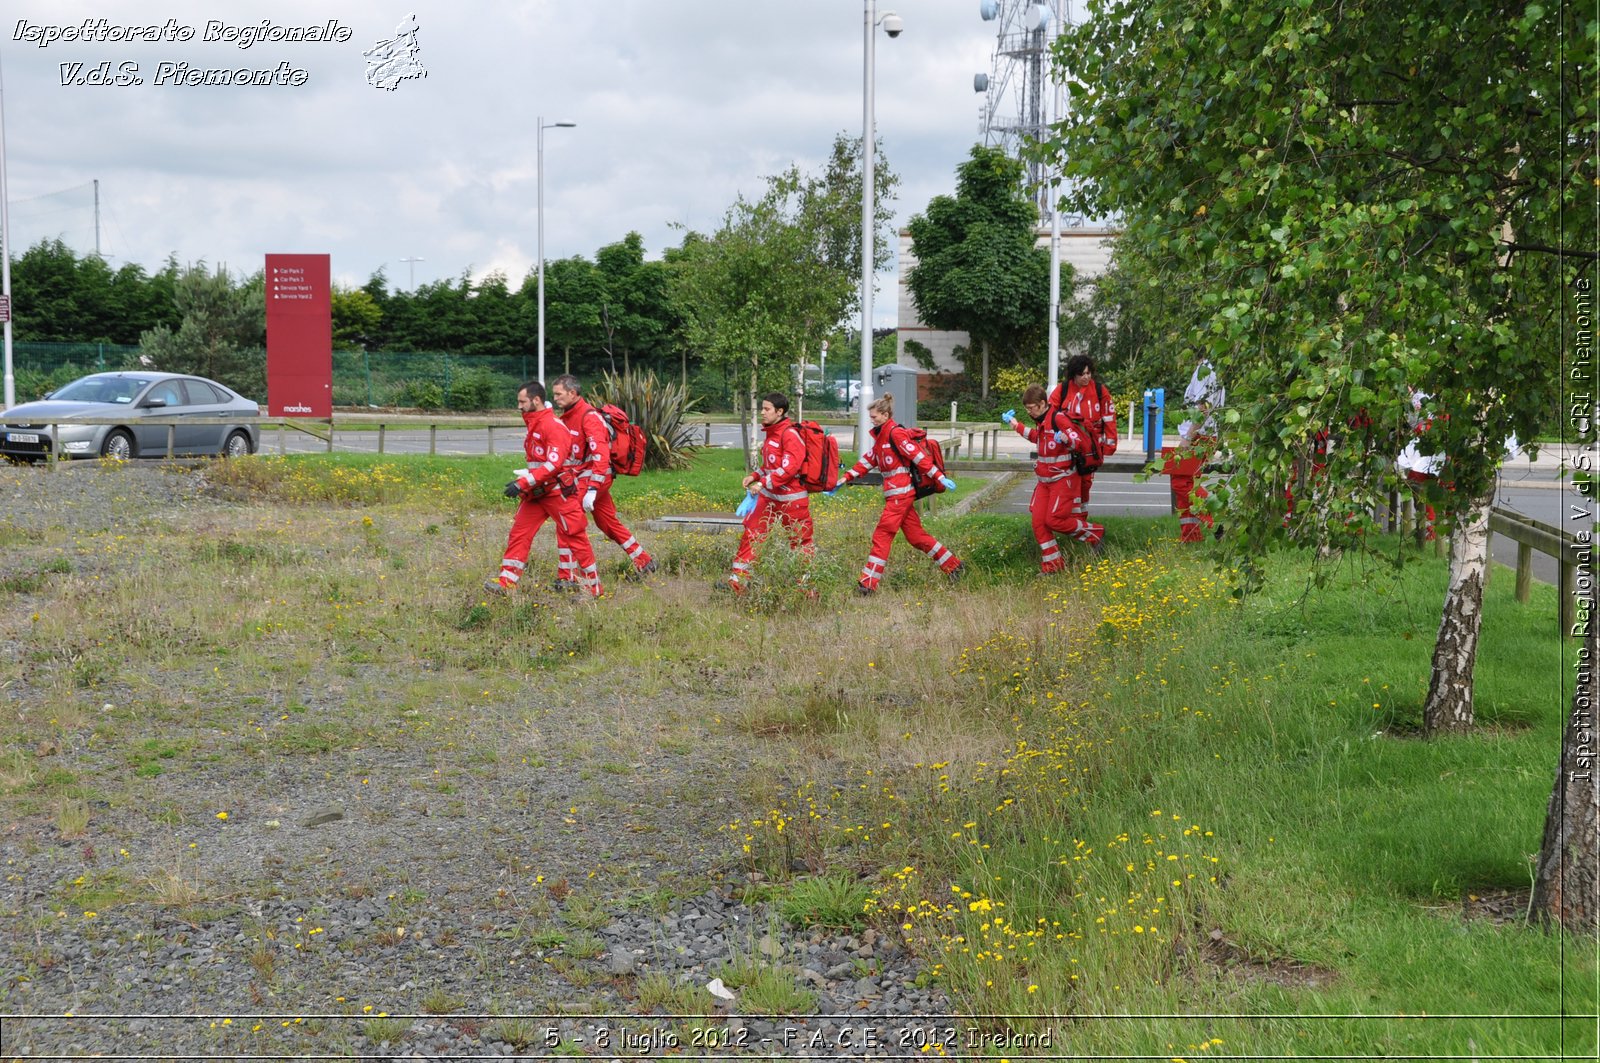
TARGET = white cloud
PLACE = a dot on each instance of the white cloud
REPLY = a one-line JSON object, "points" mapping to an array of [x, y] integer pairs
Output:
{"points": [[681, 105]]}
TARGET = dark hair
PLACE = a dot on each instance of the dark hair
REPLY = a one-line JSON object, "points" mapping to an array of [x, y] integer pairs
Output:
{"points": [[534, 389], [1077, 364], [779, 401], [568, 381], [1035, 393]]}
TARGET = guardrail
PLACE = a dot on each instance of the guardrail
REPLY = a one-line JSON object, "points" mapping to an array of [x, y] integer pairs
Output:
{"points": [[53, 455], [1531, 535]]}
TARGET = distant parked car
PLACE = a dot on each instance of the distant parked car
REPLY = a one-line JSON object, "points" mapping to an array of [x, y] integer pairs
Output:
{"points": [[133, 398]]}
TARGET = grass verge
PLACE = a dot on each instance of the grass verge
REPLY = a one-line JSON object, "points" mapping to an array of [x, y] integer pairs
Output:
{"points": [[1119, 793]]}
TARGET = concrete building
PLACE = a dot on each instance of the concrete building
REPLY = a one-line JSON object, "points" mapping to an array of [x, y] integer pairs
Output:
{"points": [[1087, 250]]}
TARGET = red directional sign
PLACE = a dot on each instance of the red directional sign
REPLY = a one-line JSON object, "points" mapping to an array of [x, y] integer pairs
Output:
{"points": [[299, 336]]}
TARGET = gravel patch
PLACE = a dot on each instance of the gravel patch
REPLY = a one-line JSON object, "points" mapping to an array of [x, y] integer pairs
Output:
{"points": [[397, 892]]}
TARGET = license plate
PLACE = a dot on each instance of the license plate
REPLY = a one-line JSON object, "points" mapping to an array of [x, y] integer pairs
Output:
{"points": [[22, 437]]}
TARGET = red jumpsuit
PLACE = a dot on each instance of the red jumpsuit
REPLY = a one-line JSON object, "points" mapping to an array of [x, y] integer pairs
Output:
{"points": [[1092, 410], [779, 498], [893, 454], [1183, 465], [1056, 505], [546, 495], [590, 463]]}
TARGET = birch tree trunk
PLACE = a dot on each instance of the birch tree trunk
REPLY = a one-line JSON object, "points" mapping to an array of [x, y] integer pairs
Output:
{"points": [[1566, 886], [1455, 652]]}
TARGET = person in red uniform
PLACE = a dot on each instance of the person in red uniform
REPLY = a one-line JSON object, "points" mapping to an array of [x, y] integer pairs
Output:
{"points": [[1197, 441], [1055, 506], [893, 454], [590, 464], [1421, 470], [545, 491], [1087, 403], [779, 495]]}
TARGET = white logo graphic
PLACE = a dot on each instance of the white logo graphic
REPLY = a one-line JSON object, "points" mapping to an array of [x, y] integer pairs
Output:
{"points": [[395, 60]]}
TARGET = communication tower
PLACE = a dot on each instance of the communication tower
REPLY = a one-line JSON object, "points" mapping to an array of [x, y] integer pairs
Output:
{"points": [[1017, 91]]}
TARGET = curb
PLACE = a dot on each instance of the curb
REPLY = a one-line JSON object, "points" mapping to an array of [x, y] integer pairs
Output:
{"points": [[996, 486]]}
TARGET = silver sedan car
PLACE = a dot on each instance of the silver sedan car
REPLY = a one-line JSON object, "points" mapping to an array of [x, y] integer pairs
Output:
{"points": [[133, 399]]}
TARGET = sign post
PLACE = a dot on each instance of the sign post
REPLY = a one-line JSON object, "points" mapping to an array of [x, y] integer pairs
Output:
{"points": [[299, 336]]}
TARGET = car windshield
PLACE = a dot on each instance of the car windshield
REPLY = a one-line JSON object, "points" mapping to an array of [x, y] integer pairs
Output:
{"points": [[114, 389]]}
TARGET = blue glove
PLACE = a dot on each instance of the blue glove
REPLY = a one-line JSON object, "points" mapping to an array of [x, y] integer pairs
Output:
{"points": [[1061, 437], [949, 484], [1008, 416], [830, 494], [746, 506]]}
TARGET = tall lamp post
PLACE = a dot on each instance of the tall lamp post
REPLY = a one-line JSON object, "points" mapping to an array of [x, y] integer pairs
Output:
{"points": [[411, 270], [1054, 114], [10, 382], [893, 25], [542, 128]]}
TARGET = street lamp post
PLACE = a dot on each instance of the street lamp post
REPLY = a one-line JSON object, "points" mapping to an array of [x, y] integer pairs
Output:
{"points": [[411, 270], [10, 382], [1054, 341], [892, 25], [542, 128]]}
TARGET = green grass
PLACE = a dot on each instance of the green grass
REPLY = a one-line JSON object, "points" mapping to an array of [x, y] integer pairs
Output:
{"points": [[765, 989], [999, 763], [1279, 740], [365, 479], [836, 901]]}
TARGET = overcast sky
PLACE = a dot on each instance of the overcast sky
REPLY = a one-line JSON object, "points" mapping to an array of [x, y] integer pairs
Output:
{"points": [[680, 106]]}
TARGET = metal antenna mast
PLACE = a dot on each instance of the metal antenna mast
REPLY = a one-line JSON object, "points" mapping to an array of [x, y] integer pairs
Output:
{"points": [[1015, 91]]}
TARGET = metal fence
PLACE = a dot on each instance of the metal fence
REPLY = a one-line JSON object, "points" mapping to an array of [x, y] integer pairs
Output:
{"points": [[421, 380], [428, 380]]}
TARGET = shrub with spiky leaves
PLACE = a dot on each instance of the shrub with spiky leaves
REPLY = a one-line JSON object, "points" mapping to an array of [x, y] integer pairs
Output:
{"points": [[657, 406]]}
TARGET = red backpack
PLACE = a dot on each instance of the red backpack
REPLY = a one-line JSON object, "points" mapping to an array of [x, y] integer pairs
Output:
{"points": [[1096, 456], [820, 469], [921, 485], [627, 440]]}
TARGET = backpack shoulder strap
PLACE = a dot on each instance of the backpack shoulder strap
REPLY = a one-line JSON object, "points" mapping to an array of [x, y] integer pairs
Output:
{"points": [[605, 422]]}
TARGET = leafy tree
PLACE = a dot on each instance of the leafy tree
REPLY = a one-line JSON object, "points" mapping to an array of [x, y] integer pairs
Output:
{"points": [[831, 207], [573, 294], [777, 277], [45, 283], [221, 332], [434, 317], [495, 317], [62, 298], [356, 317], [977, 269], [749, 290], [139, 302], [635, 313], [1373, 197], [1129, 320]]}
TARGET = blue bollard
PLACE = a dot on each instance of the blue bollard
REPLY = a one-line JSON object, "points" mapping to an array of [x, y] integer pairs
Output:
{"points": [[1155, 412]]}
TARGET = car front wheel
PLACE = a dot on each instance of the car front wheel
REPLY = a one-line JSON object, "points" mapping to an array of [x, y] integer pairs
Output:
{"points": [[236, 446], [118, 446]]}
